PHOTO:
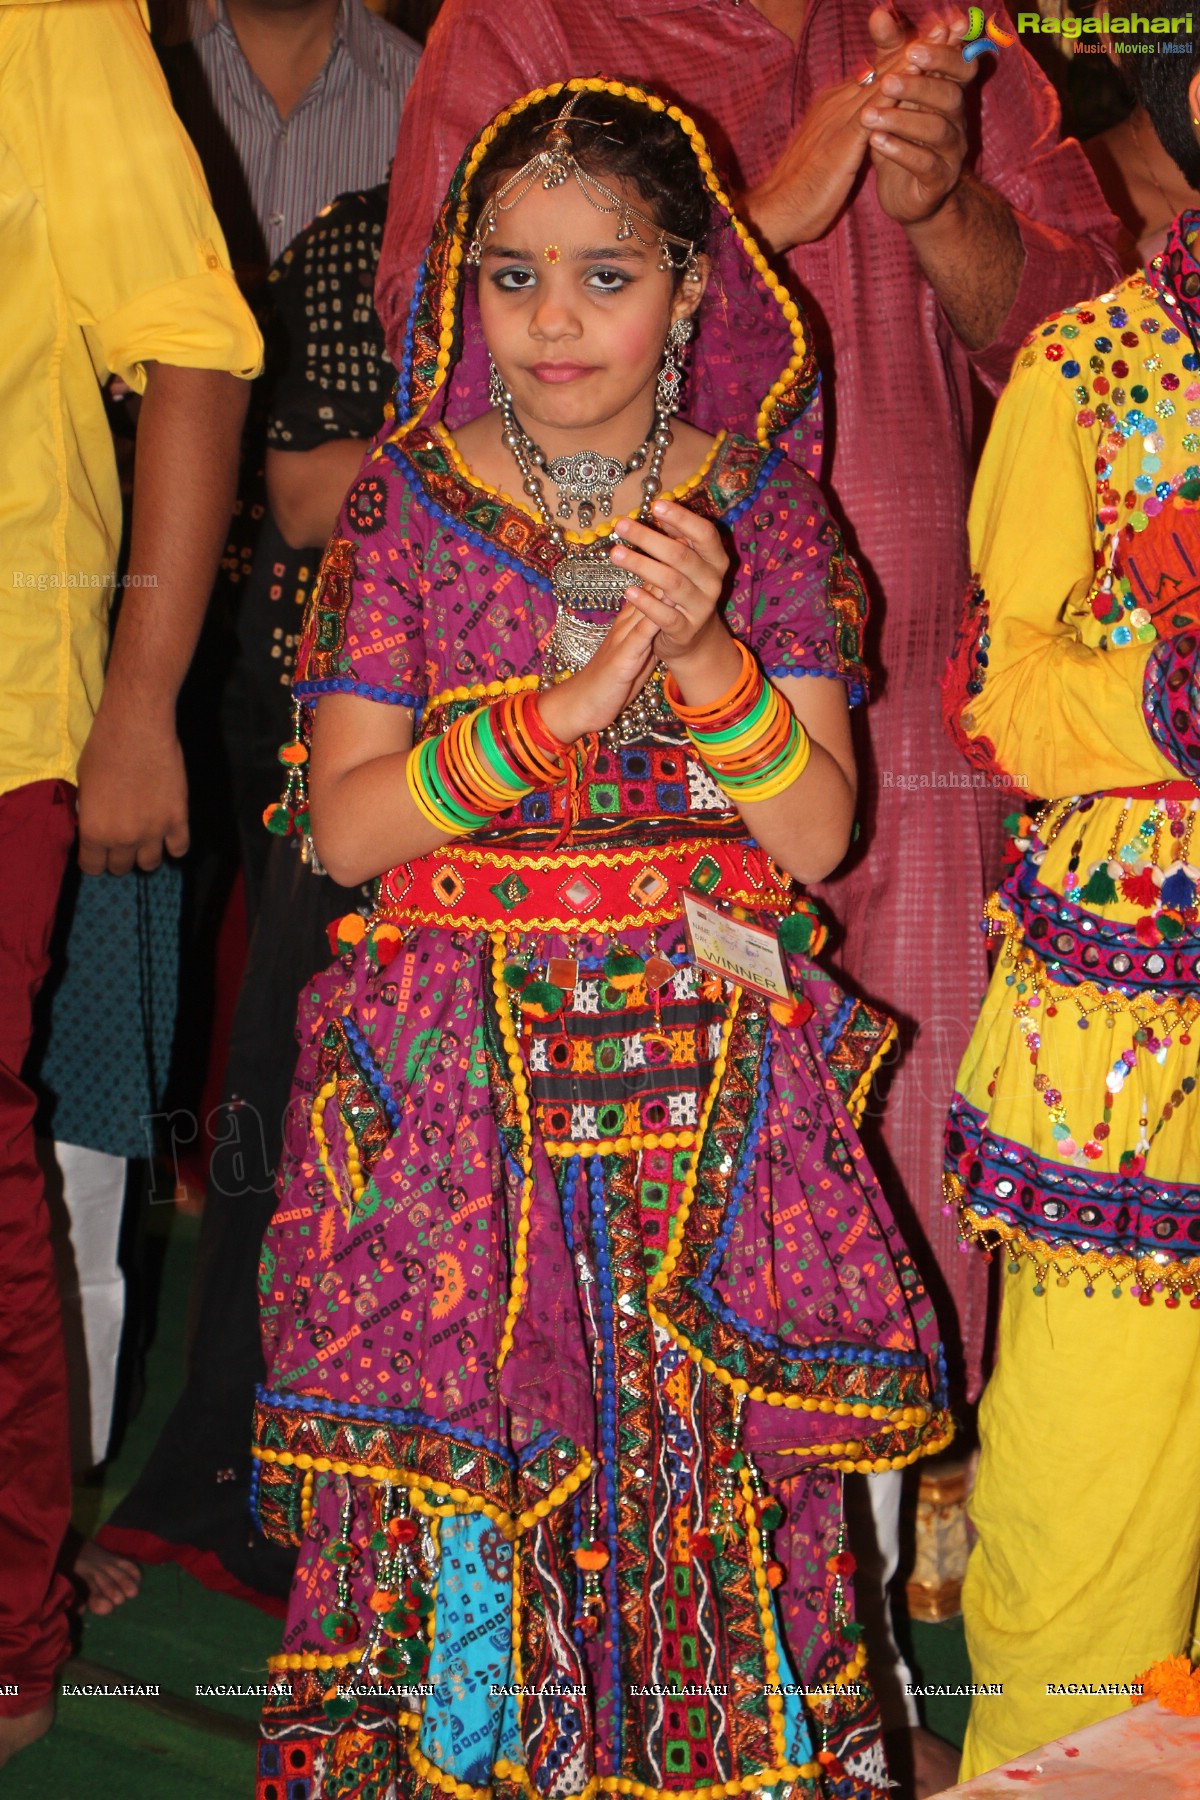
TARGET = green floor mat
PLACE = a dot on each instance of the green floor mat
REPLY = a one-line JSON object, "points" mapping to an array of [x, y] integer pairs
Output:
{"points": [[121, 1750], [183, 1637], [939, 1659]]}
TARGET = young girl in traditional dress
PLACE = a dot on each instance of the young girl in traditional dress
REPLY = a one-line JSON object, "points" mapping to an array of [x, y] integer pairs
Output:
{"points": [[580, 1296]]}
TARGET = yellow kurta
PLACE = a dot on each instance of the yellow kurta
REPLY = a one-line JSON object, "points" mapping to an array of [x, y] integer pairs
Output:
{"points": [[112, 258], [1073, 1141]]}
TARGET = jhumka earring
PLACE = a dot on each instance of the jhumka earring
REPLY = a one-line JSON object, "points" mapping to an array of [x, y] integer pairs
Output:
{"points": [[497, 392], [670, 375]]}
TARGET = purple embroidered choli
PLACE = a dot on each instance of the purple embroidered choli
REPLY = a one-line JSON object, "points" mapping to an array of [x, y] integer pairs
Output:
{"points": [[580, 1294]]}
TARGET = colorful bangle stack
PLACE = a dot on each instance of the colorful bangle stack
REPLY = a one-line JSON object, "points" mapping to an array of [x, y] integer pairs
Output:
{"points": [[483, 763], [750, 740]]}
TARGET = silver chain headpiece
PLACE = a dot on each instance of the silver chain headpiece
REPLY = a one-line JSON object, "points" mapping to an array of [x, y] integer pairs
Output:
{"points": [[552, 167]]}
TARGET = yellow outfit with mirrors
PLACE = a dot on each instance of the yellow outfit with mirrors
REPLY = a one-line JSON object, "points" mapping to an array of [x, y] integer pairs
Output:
{"points": [[1073, 1143]]}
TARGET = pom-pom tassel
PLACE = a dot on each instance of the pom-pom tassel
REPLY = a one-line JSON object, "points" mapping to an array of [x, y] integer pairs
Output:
{"points": [[1140, 889], [345, 934], [1179, 891], [1101, 889], [289, 816]]}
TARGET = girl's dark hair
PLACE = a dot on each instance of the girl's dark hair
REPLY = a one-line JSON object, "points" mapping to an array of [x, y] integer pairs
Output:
{"points": [[618, 140], [1158, 69]]}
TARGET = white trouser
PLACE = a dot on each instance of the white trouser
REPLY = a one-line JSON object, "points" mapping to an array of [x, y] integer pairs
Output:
{"points": [[873, 1534], [86, 1193]]}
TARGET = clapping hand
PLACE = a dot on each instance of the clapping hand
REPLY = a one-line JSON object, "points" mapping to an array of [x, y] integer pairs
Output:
{"points": [[914, 115], [672, 618], [682, 565], [906, 112]]}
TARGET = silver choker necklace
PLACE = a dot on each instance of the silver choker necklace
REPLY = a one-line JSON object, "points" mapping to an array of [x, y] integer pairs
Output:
{"points": [[587, 480], [584, 577]]}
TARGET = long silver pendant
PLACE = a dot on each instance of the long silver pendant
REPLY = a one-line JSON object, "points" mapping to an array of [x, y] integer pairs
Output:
{"points": [[574, 641], [591, 582]]}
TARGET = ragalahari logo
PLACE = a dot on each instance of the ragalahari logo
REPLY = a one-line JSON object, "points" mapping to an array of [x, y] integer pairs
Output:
{"points": [[984, 35]]}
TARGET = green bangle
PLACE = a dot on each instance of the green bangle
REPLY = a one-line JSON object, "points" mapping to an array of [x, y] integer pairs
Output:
{"points": [[784, 770], [439, 794], [493, 755], [424, 800], [765, 699], [742, 784]]}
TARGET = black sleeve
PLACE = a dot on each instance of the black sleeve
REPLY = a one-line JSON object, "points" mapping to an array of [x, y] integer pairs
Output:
{"points": [[327, 373]]}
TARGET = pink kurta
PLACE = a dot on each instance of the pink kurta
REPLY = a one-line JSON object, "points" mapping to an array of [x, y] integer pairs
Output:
{"points": [[899, 420]]}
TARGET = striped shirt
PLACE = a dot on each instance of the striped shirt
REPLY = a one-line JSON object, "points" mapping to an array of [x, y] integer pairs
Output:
{"points": [[270, 176]]}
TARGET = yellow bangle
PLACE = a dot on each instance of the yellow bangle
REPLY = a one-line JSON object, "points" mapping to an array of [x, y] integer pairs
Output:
{"points": [[424, 802], [785, 777], [487, 787]]}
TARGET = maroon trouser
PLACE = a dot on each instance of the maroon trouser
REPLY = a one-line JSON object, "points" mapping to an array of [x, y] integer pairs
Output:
{"points": [[37, 829]]}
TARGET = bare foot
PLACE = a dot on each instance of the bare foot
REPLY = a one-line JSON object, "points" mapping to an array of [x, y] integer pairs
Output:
{"points": [[935, 1764], [109, 1580], [25, 1729]]}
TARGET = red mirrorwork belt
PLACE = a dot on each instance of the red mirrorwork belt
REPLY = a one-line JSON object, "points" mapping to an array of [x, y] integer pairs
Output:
{"points": [[470, 888], [1154, 790]]}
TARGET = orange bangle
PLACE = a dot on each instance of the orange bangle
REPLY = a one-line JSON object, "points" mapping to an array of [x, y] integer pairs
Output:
{"points": [[467, 772], [737, 698], [530, 707], [533, 763], [531, 740], [761, 750]]}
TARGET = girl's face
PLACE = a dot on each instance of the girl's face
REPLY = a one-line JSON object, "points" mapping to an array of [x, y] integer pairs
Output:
{"points": [[575, 320]]}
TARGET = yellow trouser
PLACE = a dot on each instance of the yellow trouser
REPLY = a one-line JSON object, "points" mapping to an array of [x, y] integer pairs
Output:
{"points": [[1087, 1506]]}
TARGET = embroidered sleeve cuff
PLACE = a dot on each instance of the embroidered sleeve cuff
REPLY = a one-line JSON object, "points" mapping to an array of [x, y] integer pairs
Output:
{"points": [[308, 691], [854, 678]]}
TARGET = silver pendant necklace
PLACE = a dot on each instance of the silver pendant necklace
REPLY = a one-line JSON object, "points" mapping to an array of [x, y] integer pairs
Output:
{"points": [[587, 480], [584, 577], [585, 580]]}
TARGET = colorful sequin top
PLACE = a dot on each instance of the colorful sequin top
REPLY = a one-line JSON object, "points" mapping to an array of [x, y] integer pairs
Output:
{"points": [[580, 1293], [1073, 1134]]}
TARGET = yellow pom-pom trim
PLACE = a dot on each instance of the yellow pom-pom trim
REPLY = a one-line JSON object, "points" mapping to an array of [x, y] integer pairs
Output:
{"points": [[317, 1122], [857, 1098], [683, 1139], [766, 1616], [519, 1281], [450, 1500]]}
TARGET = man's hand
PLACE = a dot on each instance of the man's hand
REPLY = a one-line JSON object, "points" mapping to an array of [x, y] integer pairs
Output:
{"points": [[132, 792], [965, 234], [915, 116], [802, 196], [132, 788], [917, 90]]}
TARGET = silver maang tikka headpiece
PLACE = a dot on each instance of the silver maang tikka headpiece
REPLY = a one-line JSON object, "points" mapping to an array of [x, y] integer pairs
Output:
{"points": [[554, 165]]}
